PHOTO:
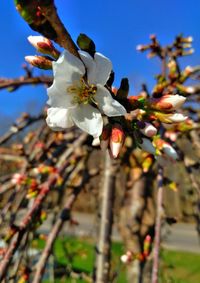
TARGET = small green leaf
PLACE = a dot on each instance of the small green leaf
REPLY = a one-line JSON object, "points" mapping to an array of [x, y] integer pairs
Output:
{"points": [[86, 44]]}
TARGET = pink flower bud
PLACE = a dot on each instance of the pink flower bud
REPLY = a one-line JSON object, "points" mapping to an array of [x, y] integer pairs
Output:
{"points": [[147, 146], [177, 117], [149, 130], [170, 151], [124, 258], [128, 257], [169, 118], [39, 62], [44, 45], [116, 140], [167, 102], [18, 178]]}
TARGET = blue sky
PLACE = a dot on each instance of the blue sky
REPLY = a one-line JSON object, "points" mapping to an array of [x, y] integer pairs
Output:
{"points": [[117, 27]]}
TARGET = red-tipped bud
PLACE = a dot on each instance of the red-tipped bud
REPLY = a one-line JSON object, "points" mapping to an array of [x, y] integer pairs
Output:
{"points": [[167, 102], [18, 179], [39, 62], [147, 244], [44, 45], [117, 139]]}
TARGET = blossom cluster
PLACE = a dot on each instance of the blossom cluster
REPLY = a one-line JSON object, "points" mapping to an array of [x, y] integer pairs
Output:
{"points": [[81, 96]]}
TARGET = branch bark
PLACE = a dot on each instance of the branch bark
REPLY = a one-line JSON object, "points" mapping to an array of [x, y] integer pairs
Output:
{"points": [[156, 251], [103, 251]]}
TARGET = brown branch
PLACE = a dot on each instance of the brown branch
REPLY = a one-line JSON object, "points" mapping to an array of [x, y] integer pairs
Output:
{"points": [[27, 220], [156, 251], [15, 83], [103, 250], [17, 127], [64, 216], [63, 36]]}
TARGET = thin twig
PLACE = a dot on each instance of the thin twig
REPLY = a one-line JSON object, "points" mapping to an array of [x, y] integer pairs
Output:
{"points": [[156, 251], [103, 250], [13, 83]]}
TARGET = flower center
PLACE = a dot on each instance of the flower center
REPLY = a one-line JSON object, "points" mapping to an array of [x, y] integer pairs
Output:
{"points": [[83, 92]]}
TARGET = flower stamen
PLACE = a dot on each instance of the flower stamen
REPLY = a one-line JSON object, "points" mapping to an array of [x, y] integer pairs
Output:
{"points": [[83, 92]]}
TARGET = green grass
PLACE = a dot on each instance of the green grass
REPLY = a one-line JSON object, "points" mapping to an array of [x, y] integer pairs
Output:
{"points": [[180, 267], [176, 267], [80, 255]]}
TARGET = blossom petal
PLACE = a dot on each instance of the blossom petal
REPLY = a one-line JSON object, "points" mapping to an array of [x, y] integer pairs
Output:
{"points": [[107, 104], [90, 66], [59, 97], [88, 119], [59, 118], [67, 69], [98, 69], [103, 68]]}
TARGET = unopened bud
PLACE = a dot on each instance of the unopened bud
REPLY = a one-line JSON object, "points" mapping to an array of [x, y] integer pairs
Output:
{"points": [[167, 102], [170, 151], [188, 52], [147, 243], [44, 45], [186, 89], [117, 139], [149, 130], [169, 118], [142, 48], [188, 39], [18, 179], [128, 257], [39, 62]]}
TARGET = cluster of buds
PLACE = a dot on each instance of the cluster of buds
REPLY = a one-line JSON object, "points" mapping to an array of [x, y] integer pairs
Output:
{"points": [[164, 108], [180, 47], [112, 138], [25, 275], [33, 188], [19, 179], [130, 256], [44, 169], [45, 46], [173, 130]]}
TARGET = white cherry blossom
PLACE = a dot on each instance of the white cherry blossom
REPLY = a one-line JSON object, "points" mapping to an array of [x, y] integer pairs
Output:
{"points": [[77, 101]]}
